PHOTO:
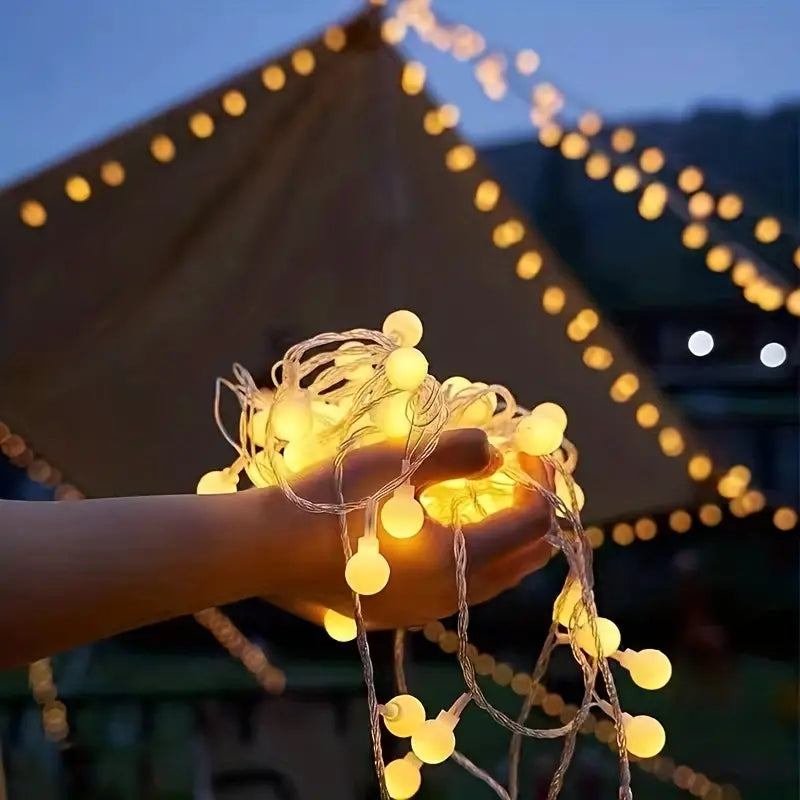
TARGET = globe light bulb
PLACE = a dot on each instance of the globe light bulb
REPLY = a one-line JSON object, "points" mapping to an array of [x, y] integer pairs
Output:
{"points": [[551, 411], [403, 778], [354, 357], [367, 571], [258, 427], [402, 516], [291, 415], [220, 481], [538, 436], [452, 386], [480, 411], [608, 634], [565, 603], [434, 741], [645, 736], [405, 327], [562, 490], [650, 669], [403, 715], [393, 416], [406, 368], [339, 627]]}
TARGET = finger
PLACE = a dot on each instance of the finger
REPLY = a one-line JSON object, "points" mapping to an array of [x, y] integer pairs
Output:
{"points": [[460, 453], [507, 531]]}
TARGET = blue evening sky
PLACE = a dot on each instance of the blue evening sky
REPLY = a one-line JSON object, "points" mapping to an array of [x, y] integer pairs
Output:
{"points": [[74, 71]]}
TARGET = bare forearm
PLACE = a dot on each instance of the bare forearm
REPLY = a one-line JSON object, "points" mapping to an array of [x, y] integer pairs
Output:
{"points": [[74, 572]]}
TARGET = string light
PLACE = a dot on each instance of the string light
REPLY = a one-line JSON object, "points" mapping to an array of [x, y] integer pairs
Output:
{"points": [[701, 343], [77, 189], [623, 534], [112, 173], [486, 195], [626, 178], [201, 125], [553, 300], [700, 467], [273, 77], [647, 415], [527, 62], [767, 229], [651, 160], [773, 355], [598, 166], [710, 515], [162, 148], [719, 258], [529, 265], [233, 103], [624, 387], [690, 179], [590, 123], [729, 206], [623, 140], [784, 518], [574, 145], [303, 61], [32, 213], [680, 521], [335, 38], [393, 30], [550, 134], [694, 235], [413, 78], [460, 158], [701, 205]]}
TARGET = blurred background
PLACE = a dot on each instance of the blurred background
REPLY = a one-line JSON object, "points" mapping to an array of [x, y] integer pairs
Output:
{"points": [[579, 111]]}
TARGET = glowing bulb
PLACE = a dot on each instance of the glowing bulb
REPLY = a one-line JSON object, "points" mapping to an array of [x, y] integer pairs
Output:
{"points": [[701, 205], [565, 603], [413, 78], [623, 139], [645, 736], [651, 160], [538, 436], [574, 145], [608, 634], [701, 343], [551, 411], [403, 715], [767, 229], [773, 355], [452, 386], [367, 571], [486, 195], [405, 327], [562, 490], [402, 516], [392, 416], [291, 416], [690, 179], [402, 778], [435, 741], [700, 467], [729, 206], [234, 103], [201, 125], [406, 368], [78, 189], [694, 235], [351, 354], [33, 213], [339, 627], [480, 411], [273, 78], [527, 62], [220, 481], [649, 669], [626, 178], [590, 123], [598, 165], [719, 258], [303, 61]]}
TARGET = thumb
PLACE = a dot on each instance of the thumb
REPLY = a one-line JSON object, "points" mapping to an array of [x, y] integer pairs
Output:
{"points": [[460, 453]]}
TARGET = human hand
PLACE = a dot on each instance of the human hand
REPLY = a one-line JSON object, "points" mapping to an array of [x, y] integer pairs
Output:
{"points": [[501, 550]]}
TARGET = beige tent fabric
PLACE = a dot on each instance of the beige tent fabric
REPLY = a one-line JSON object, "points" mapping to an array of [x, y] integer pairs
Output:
{"points": [[322, 207]]}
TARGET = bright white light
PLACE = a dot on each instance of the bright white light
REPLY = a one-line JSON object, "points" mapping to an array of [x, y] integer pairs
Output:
{"points": [[701, 343], [773, 354]]}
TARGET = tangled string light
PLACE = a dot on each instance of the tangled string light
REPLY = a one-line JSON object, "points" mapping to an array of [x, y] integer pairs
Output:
{"points": [[338, 392]]}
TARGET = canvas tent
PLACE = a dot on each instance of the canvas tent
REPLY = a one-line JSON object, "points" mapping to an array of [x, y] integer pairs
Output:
{"points": [[319, 205]]}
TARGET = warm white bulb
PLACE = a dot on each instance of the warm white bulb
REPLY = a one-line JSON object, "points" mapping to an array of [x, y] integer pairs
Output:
{"points": [[403, 715], [367, 571], [339, 627], [701, 343], [773, 354], [538, 435], [393, 416], [402, 778], [291, 415], [434, 741], [220, 481], [405, 327], [402, 516], [406, 368]]}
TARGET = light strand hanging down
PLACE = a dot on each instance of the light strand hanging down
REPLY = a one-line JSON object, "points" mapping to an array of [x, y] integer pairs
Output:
{"points": [[340, 392], [760, 284]]}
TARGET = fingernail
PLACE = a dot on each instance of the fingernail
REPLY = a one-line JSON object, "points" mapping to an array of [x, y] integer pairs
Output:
{"points": [[495, 462]]}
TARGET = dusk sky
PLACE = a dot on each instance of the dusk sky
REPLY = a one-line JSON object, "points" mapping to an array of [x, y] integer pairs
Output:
{"points": [[72, 72]]}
